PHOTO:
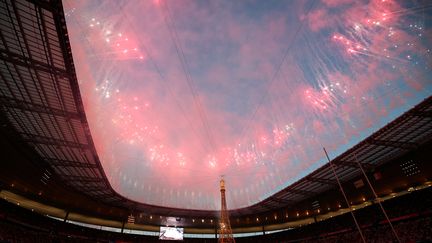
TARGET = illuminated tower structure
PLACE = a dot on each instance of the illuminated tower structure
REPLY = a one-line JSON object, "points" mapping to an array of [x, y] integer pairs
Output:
{"points": [[225, 231]]}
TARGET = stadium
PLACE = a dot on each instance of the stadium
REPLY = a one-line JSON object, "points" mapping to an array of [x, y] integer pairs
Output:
{"points": [[215, 121]]}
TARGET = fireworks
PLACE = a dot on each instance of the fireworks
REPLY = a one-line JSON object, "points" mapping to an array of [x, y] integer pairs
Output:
{"points": [[177, 95]]}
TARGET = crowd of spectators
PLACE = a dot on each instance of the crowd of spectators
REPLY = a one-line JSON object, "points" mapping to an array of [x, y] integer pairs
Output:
{"points": [[411, 217]]}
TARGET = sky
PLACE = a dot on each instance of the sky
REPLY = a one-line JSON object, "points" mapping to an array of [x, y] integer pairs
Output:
{"points": [[181, 93]]}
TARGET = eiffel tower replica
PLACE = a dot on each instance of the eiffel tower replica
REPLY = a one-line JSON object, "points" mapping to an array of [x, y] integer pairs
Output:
{"points": [[225, 231]]}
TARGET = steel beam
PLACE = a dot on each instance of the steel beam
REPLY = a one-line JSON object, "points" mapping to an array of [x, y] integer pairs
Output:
{"points": [[7, 56], [47, 5], [36, 139], [28, 106], [68, 163], [345, 163], [321, 180], [85, 188], [422, 113], [298, 191], [265, 206], [72, 179], [280, 200], [395, 144]]}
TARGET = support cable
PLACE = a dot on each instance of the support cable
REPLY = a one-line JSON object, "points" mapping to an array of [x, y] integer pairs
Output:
{"points": [[376, 198], [345, 197]]}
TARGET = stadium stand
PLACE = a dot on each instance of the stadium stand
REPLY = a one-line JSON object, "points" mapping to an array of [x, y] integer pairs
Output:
{"points": [[411, 215]]}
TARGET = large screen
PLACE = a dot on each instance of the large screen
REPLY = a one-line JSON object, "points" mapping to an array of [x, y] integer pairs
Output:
{"points": [[170, 233]]}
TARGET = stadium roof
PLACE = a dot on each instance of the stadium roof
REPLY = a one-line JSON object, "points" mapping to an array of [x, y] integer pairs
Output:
{"points": [[41, 100]]}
